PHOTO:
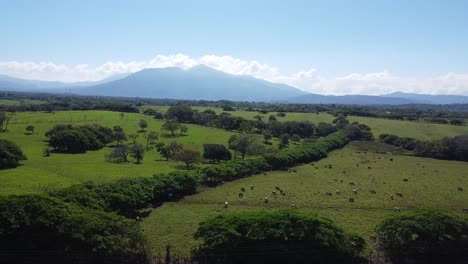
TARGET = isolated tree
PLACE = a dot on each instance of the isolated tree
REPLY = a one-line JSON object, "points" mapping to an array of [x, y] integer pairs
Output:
{"points": [[151, 137], [188, 156], [5, 118], [30, 129], [171, 125], [120, 137], [118, 129], [183, 129], [143, 124], [181, 113], [240, 143], [121, 114], [10, 154], [281, 114], [137, 152], [158, 115], [272, 118], [162, 149], [46, 152], [133, 137], [258, 117], [168, 151], [267, 137], [216, 152], [118, 154], [283, 141]]}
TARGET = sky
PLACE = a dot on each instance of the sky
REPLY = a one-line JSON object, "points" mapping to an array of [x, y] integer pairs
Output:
{"points": [[327, 47]]}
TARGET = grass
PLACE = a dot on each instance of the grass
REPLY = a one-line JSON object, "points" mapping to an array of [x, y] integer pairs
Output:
{"points": [[61, 170], [431, 183]]}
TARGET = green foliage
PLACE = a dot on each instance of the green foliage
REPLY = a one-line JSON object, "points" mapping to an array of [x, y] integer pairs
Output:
{"points": [[171, 125], [137, 152], [10, 154], [68, 233], [143, 124], [181, 113], [30, 129], [424, 236], [275, 237], [216, 152], [118, 154], [188, 156], [241, 143], [69, 139]]}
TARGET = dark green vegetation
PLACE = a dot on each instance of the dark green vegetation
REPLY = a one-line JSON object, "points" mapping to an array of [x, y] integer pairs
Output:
{"points": [[275, 237], [455, 148], [10, 154], [424, 236]]}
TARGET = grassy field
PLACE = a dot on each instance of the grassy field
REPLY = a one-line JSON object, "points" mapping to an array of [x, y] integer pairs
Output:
{"points": [[60, 170], [431, 183], [418, 130]]}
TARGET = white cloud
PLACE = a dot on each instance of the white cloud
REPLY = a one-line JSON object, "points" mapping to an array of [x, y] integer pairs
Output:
{"points": [[374, 83]]}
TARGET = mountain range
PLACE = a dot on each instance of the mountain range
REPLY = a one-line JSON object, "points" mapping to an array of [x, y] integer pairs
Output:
{"points": [[204, 83]]}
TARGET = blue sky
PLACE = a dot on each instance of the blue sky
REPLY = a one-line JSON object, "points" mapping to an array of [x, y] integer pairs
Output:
{"points": [[408, 40]]}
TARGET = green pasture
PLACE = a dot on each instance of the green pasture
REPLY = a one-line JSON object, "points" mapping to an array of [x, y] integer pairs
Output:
{"points": [[430, 183]]}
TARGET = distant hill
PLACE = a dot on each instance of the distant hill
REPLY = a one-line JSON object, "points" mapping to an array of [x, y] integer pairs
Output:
{"points": [[430, 99], [197, 83], [350, 99]]}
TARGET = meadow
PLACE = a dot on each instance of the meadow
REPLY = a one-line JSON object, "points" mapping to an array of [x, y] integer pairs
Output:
{"points": [[61, 170], [430, 183]]}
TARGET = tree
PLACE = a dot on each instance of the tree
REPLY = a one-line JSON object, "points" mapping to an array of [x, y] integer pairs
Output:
{"points": [[283, 141], [143, 124], [120, 137], [133, 137], [158, 115], [30, 129], [171, 125], [181, 113], [240, 143], [69, 233], [296, 138], [281, 114], [216, 152], [162, 149], [424, 236], [275, 237], [245, 127], [188, 156], [170, 150], [5, 120], [267, 137], [121, 114], [137, 152], [118, 154], [272, 118], [69, 141], [118, 129], [151, 138], [10, 154], [183, 129]]}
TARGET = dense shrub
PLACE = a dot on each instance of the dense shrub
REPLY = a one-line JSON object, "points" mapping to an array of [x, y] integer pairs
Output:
{"points": [[275, 237], [46, 230], [216, 152], [424, 236], [69, 139], [10, 154], [181, 113]]}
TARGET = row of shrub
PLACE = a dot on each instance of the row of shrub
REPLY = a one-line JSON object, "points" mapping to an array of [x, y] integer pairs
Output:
{"points": [[455, 148]]}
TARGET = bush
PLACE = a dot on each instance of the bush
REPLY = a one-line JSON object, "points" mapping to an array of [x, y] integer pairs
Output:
{"points": [[69, 139], [10, 154], [275, 237], [49, 231], [424, 236], [216, 152]]}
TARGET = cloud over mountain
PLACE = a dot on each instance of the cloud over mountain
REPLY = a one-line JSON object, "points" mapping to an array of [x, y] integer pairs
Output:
{"points": [[310, 80]]}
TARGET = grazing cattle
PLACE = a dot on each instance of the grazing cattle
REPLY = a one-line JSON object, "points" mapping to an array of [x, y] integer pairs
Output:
{"points": [[460, 189], [251, 187], [391, 159], [316, 168], [405, 180], [277, 188], [294, 171], [226, 204], [273, 192], [138, 219], [391, 197], [399, 194], [282, 193], [242, 189], [354, 191], [369, 167], [351, 183], [328, 194], [351, 200], [357, 165], [265, 200], [289, 170], [372, 191], [337, 192], [264, 174], [465, 210], [396, 209], [344, 172], [294, 206], [241, 195]]}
